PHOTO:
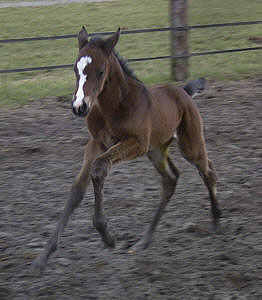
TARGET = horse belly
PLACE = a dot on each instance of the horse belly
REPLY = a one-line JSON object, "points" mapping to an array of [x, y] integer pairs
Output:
{"points": [[166, 117]]}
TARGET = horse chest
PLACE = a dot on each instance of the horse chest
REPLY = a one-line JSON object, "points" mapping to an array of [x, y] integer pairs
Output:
{"points": [[101, 130]]}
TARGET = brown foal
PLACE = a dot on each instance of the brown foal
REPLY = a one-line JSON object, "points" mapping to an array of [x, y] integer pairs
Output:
{"points": [[126, 120]]}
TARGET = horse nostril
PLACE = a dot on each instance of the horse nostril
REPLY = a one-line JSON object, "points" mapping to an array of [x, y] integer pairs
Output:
{"points": [[81, 110]]}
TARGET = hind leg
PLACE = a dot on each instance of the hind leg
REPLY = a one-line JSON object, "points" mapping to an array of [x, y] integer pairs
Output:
{"points": [[209, 177], [194, 150], [210, 180], [169, 175]]}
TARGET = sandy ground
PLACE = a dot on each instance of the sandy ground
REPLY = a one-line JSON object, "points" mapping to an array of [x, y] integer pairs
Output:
{"points": [[41, 149]]}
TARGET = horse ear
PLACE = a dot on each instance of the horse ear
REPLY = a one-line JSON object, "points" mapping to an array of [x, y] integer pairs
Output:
{"points": [[110, 43], [82, 38]]}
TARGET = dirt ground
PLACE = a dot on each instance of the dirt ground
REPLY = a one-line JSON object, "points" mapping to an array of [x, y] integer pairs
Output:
{"points": [[41, 149]]}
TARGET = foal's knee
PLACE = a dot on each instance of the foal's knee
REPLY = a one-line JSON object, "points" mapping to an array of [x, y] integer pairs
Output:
{"points": [[211, 178], [207, 172], [99, 170]]}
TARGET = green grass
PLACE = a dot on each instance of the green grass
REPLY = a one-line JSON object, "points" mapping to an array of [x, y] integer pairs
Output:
{"points": [[58, 20], [10, 1]]}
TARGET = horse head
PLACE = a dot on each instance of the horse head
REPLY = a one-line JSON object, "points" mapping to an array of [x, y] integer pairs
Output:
{"points": [[91, 69]]}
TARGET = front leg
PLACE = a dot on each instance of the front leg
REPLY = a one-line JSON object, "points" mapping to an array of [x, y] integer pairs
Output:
{"points": [[99, 172], [93, 149], [126, 150]]}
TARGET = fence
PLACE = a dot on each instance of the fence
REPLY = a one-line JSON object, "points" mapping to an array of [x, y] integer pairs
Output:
{"points": [[149, 30]]}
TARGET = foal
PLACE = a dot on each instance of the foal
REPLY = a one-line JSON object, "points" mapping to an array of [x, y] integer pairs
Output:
{"points": [[126, 120]]}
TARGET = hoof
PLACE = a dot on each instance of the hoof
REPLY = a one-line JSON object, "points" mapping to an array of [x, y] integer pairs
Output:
{"points": [[140, 246], [217, 227], [39, 264], [217, 214], [216, 219], [109, 240], [101, 226]]}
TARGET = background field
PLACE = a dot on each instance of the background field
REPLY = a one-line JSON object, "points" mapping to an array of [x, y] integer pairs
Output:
{"points": [[68, 19]]}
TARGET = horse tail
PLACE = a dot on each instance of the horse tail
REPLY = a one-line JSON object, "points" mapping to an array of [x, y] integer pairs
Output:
{"points": [[194, 87]]}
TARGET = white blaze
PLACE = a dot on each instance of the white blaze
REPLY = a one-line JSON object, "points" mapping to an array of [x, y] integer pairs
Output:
{"points": [[82, 63]]}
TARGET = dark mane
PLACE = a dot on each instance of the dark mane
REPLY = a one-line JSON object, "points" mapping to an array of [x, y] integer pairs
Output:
{"points": [[124, 65], [97, 41]]}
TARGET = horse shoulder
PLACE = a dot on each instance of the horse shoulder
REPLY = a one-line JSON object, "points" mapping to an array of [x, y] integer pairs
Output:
{"points": [[133, 117], [95, 122]]}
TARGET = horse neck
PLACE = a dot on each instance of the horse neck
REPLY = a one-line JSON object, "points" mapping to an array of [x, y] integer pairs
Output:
{"points": [[115, 89]]}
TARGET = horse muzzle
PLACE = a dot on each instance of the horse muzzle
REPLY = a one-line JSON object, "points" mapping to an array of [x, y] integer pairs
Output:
{"points": [[81, 109]]}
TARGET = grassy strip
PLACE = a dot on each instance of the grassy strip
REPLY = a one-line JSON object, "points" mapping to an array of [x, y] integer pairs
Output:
{"points": [[10, 1], [57, 20]]}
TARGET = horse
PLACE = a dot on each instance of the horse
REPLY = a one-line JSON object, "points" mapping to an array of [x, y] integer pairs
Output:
{"points": [[126, 120]]}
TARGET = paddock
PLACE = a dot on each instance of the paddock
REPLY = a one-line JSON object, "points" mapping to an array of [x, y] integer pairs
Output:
{"points": [[41, 150]]}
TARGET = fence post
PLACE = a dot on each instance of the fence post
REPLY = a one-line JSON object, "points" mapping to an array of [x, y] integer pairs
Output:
{"points": [[179, 40]]}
